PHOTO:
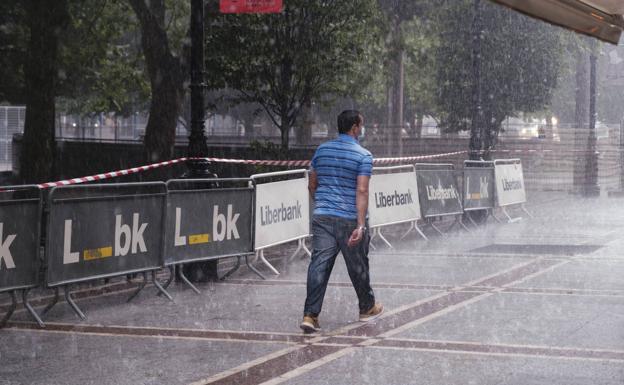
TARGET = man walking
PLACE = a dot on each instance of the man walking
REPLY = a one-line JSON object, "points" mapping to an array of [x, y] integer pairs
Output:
{"points": [[340, 172]]}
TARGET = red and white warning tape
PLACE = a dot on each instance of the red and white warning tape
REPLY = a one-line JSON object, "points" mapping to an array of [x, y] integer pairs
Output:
{"points": [[109, 175], [411, 159], [291, 163]]}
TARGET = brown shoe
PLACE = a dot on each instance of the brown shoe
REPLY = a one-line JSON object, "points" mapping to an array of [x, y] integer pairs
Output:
{"points": [[373, 313], [310, 324]]}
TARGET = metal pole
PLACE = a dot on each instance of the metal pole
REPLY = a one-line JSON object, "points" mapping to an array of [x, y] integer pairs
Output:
{"points": [[197, 148], [197, 140], [475, 129], [591, 170], [622, 153], [400, 96]]}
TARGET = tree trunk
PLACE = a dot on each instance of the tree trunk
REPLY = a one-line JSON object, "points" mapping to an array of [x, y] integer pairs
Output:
{"points": [[548, 128], [284, 130], [285, 123], [389, 120], [304, 130], [419, 124], [581, 115], [47, 19], [487, 135], [166, 74], [397, 142], [248, 121]]}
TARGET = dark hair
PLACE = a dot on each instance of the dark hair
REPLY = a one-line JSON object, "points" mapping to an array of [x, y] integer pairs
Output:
{"points": [[347, 119]]}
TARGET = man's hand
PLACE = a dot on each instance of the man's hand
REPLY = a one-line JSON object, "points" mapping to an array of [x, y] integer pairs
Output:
{"points": [[356, 237]]}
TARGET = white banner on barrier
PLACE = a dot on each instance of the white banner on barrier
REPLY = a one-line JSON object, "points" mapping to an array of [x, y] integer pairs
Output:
{"points": [[509, 184], [393, 198], [282, 212]]}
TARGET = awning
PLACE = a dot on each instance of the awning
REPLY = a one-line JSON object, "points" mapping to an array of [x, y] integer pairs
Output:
{"points": [[601, 19]]}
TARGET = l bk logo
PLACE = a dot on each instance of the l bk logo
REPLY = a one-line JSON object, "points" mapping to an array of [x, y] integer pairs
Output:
{"points": [[128, 239], [223, 228], [5, 251]]}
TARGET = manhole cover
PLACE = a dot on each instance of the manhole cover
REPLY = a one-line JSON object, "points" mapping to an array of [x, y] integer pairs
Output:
{"points": [[537, 249]]}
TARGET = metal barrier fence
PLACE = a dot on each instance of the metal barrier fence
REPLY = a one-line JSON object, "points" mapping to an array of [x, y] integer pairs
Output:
{"points": [[206, 220], [282, 213], [101, 231], [510, 189], [393, 199], [107, 230], [20, 224], [478, 185], [439, 193]]}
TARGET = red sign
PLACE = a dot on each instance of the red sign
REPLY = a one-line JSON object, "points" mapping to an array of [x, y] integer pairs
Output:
{"points": [[251, 6]]}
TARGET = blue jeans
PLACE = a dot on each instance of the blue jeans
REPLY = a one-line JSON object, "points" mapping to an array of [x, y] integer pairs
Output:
{"points": [[329, 236]]}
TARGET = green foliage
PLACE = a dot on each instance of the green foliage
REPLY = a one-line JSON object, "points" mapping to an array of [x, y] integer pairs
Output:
{"points": [[101, 66], [520, 62], [420, 68], [563, 101], [281, 61], [13, 51], [407, 27], [267, 150]]}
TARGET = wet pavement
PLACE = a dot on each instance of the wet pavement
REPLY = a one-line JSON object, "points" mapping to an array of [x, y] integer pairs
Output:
{"points": [[538, 301]]}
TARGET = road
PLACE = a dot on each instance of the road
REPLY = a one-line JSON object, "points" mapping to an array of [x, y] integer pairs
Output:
{"points": [[538, 301]]}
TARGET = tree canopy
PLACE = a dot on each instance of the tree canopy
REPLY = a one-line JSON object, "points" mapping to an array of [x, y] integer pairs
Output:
{"points": [[283, 61], [520, 61]]}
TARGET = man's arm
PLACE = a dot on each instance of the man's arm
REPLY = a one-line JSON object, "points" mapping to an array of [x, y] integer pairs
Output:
{"points": [[361, 204]]}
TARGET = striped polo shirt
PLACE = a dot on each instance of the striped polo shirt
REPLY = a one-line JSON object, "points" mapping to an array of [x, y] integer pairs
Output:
{"points": [[337, 164]]}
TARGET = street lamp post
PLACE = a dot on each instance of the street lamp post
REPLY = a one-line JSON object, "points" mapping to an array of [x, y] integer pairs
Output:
{"points": [[197, 148], [591, 169], [475, 129]]}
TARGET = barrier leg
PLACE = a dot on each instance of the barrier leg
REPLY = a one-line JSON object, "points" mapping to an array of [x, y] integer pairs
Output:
{"points": [[264, 260], [141, 286], [305, 248], [420, 231], [370, 242], [461, 223], [30, 309], [159, 286], [526, 211], [509, 218], [436, 229], [497, 219], [169, 280], [54, 301], [171, 276], [384, 239], [250, 266], [9, 313], [233, 270], [299, 247], [73, 304], [185, 280], [408, 231], [470, 219]]}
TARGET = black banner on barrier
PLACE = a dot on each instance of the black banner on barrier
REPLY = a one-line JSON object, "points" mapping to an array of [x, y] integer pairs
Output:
{"points": [[478, 188], [208, 224], [20, 216], [438, 193], [104, 230]]}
